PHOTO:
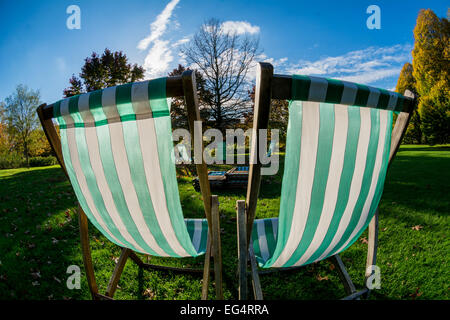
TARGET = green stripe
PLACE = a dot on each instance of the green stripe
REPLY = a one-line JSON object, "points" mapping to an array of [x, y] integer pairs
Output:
{"points": [[383, 100], [290, 176], [324, 150], [163, 128], [380, 182], [300, 87], [137, 171], [362, 95], [76, 187], [109, 168], [334, 91], [354, 125], [271, 242], [367, 178], [204, 241]]}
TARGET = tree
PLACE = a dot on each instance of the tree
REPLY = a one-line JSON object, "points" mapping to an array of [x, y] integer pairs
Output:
{"points": [[178, 111], [224, 59], [21, 118], [406, 81], [99, 72], [431, 69]]}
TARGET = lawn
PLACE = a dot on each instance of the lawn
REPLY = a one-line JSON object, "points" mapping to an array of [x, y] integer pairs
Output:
{"points": [[39, 239]]}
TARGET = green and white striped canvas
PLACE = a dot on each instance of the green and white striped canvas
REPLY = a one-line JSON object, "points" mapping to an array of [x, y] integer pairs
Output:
{"points": [[118, 151], [337, 152]]}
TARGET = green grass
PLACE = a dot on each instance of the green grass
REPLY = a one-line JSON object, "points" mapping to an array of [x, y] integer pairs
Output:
{"points": [[39, 239]]}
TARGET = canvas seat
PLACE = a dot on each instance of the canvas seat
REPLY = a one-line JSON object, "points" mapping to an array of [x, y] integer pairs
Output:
{"points": [[116, 148], [338, 148]]}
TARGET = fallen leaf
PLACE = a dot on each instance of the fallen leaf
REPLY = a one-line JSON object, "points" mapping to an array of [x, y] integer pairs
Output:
{"points": [[322, 278], [364, 240], [149, 293], [417, 228]]}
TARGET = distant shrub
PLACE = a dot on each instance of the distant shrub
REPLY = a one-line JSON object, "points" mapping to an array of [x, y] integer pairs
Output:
{"points": [[14, 160], [11, 160], [43, 161]]}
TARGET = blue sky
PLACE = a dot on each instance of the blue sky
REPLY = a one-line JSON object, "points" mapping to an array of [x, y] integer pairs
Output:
{"points": [[324, 38]]}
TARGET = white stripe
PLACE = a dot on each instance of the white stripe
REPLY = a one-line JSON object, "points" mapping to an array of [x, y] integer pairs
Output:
{"points": [[393, 96], [197, 236], [123, 172], [318, 89], [71, 143], [64, 109], [83, 108], [109, 103], [358, 173], [262, 239], [275, 227], [155, 184], [374, 95], [334, 177], [308, 154], [349, 93], [97, 167], [375, 177], [139, 97]]}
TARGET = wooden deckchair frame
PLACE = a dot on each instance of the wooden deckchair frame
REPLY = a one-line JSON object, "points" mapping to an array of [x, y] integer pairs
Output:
{"points": [[176, 86], [268, 87]]}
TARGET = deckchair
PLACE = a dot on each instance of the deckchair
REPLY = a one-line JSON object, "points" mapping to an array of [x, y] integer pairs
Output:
{"points": [[116, 148], [339, 145]]}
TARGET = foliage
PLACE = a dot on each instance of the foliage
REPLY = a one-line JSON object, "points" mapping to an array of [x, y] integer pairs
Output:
{"points": [[19, 113], [278, 118], [406, 82], [431, 71], [43, 161], [177, 108], [99, 72], [11, 160], [224, 59]]}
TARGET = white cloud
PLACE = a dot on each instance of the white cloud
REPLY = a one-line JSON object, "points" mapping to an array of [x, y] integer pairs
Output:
{"points": [[159, 56], [363, 66], [159, 26], [239, 27]]}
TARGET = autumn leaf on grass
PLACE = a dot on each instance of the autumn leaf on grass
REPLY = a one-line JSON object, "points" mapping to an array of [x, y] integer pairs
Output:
{"points": [[149, 293], [322, 278], [416, 294], [417, 228], [115, 259], [364, 240]]}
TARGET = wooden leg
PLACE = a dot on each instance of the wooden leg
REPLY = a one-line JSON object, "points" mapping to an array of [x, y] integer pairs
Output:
{"points": [[85, 248], [136, 259], [257, 292], [372, 247], [343, 274], [114, 281], [241, 219], [206, 271], [216, 247]]}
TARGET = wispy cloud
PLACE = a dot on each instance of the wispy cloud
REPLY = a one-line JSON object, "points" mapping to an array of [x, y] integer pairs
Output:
{"points": [[364, 66], [159, 56], [239, 27]]}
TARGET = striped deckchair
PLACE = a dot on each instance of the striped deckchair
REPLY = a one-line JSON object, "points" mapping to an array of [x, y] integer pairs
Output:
{"points": [[116, 148], [339, 145]]}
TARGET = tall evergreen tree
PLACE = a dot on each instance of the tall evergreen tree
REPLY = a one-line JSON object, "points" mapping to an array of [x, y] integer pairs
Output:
{"points": [[406, 82], [431, 70]]}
